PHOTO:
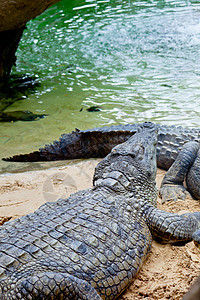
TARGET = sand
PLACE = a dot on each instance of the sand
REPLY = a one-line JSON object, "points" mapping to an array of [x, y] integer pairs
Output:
{"points": [[168, 271]]}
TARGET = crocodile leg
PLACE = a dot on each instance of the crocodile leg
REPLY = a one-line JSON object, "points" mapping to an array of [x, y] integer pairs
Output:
{"points": [[52, 285], [193, 178], [172, 185], [173, 228]]}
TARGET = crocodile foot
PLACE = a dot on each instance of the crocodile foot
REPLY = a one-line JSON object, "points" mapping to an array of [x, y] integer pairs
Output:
{"points": [[173, 193]]}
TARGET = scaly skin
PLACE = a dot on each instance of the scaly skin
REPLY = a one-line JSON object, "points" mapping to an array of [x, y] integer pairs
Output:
{"points": [[92, 244], [98, 142]]}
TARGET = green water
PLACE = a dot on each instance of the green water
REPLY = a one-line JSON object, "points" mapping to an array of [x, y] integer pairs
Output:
{"points": [[137, 60]]}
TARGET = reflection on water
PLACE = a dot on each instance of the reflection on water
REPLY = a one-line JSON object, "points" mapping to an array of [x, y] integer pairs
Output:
{"points": [[15, 88], [137, 60]]}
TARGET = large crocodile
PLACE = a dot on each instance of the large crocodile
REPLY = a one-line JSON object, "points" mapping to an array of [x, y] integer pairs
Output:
{"points": [[92, 244], [98, 142]]}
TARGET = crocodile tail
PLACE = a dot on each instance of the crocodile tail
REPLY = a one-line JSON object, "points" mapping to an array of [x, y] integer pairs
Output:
{"points": [[65, 148], [77, 144], [84, 144], [34, 156]]}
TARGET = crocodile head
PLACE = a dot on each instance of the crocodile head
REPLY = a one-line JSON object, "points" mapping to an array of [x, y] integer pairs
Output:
{"points": [[130, 166]]}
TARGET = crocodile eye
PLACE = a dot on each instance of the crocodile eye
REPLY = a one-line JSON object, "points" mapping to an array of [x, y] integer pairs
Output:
{"points": [[114, 151]]}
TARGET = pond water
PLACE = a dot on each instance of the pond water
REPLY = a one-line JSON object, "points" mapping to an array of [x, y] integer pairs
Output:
{"points": [[136, 60]]}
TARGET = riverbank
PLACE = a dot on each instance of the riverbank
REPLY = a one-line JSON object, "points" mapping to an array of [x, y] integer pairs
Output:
{"points": [[168, 271]]}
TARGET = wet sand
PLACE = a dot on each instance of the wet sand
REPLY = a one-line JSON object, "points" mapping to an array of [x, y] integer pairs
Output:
{"points": [[168, 271]]}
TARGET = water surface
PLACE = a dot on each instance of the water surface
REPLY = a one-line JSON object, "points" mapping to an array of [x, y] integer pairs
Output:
{"points": [[137, 60]]}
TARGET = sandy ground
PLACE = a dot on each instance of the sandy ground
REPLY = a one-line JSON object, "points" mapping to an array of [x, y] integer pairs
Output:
{"points": [[168, 271]]}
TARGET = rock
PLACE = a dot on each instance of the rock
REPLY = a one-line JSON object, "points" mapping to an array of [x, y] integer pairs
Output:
{"points": [[14, 14], [19, 115]]}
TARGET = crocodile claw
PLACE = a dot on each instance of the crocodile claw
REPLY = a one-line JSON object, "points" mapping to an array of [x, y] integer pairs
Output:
{"points": [[173, 193]]}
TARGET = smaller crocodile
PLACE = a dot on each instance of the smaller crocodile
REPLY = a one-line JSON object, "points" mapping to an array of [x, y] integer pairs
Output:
{"points": [[98, 142], [92, 244]]}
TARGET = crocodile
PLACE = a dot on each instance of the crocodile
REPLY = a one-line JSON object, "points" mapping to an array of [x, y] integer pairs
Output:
{"points": [[92, 244], [98, 142]]}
